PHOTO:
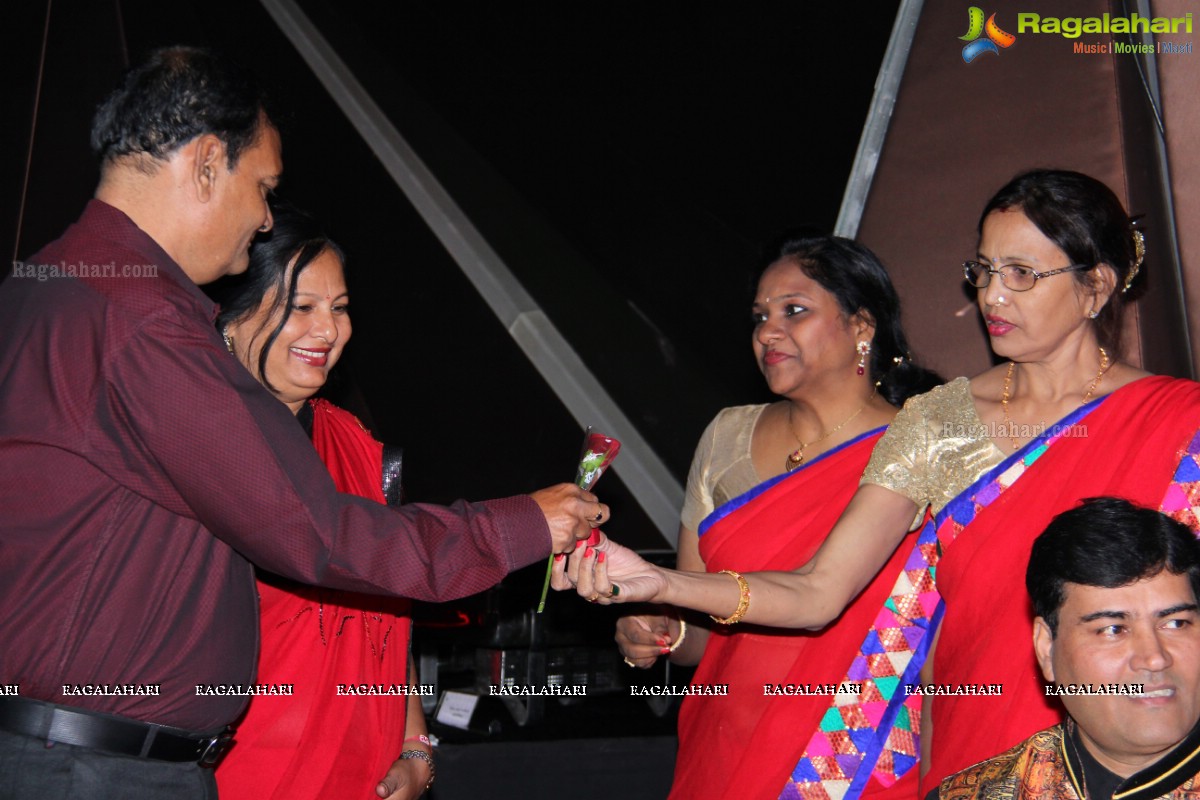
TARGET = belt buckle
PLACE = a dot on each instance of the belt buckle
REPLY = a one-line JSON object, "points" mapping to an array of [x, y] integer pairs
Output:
{"points": [[216, 747]]}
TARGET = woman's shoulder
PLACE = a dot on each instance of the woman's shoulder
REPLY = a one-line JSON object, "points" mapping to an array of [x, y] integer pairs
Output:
{"points": [[948, 404], [1144, 386], [337, 414], [732, 413], [736, 419], [952, 393]]}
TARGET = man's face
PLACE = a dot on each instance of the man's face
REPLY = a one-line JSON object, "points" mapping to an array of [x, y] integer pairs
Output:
{"points": [[1144, 633], [240, 200]]}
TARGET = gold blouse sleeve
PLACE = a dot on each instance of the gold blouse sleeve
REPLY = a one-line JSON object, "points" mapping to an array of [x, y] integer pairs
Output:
{"points": [[934, 449], [722, 468], [697, 497]]}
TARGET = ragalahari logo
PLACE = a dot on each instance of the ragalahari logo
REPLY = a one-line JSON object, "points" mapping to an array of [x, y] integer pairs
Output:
{"points": [[995, 40]]}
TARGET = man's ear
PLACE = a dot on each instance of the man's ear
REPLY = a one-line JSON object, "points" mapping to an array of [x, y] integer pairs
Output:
{"points": [[1043, 646], [208, 157]]}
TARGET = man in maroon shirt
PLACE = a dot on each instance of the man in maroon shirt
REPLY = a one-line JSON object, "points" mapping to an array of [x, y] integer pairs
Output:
{"points": [[143, 470]]}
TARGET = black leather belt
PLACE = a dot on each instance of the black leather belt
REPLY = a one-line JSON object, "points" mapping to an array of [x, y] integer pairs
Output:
{"points": [[54, 723]]}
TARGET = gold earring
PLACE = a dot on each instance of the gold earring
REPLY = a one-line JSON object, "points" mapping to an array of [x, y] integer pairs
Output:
{"points": [[228, 339], [863, 349]]}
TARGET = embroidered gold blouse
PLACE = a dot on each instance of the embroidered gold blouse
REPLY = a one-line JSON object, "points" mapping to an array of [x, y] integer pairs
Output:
{"points": [[722, 468], [934, 449]]}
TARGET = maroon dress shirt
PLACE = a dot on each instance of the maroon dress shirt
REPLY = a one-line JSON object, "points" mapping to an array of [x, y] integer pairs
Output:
{"points": [[142, 470]]}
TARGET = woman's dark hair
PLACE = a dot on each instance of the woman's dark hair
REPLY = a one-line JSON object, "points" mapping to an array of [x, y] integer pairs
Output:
{"points": [[1106, 542], [1086, 221], [852, 274], [295, 235], [175, 95]]}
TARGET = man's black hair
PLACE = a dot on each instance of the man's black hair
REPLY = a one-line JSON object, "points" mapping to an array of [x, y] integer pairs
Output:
{"points": [[1106, 542], [175, 95]]}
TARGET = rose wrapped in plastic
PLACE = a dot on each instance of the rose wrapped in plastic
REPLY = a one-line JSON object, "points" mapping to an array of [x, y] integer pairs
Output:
{"points": [[597, 453]]}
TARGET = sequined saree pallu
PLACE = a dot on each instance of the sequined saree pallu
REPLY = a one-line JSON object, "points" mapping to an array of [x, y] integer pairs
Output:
{"points": [[1138, 444], [968, 566]]}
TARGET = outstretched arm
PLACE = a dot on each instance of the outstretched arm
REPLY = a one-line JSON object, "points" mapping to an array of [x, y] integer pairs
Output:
{"points": [[812, 596]]}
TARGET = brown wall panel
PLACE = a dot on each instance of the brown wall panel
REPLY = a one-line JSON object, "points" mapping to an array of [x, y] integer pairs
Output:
{"points": [[960, 131], [1179, 84]]}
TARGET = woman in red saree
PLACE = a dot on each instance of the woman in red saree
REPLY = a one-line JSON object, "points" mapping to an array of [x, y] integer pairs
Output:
{"points": [[341, 730], [828, 340], [994, 458]]}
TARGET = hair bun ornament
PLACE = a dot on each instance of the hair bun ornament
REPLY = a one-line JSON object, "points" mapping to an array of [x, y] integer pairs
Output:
{"points": [[1139, 255]]}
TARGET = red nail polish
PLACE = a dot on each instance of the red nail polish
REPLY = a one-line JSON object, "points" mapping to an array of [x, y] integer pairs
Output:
{"points": [[578, 543], [595, 537], [558, 556], [664, 651], [601, 558]]}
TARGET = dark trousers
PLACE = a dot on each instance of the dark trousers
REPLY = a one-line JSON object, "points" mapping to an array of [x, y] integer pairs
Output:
{"points": [[29, 770]]}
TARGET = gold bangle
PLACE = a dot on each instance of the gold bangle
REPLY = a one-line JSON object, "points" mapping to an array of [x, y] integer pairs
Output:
{"points": [[743, 604], [682, 633]]}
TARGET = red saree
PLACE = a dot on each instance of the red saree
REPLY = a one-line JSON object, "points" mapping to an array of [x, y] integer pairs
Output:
{"points": [[1135, 441], [317, 744], [746, 744]]}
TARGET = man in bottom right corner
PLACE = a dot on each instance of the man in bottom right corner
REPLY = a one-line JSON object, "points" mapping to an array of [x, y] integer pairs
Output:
{"points": [[1117, 635]]}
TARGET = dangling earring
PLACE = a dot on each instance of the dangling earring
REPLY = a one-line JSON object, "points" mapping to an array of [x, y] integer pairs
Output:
{"points": [[228, 339], [863, 349]]}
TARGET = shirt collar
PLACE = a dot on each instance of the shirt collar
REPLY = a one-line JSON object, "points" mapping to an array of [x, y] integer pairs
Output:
{"points": [[1159, 779], [119, 227]]}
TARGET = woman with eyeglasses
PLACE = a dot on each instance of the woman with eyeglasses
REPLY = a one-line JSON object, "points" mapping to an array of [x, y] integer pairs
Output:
{"points": [[992, 458]]}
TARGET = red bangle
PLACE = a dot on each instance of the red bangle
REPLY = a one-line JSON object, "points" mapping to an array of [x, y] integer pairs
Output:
{"points": [[420, 737]]}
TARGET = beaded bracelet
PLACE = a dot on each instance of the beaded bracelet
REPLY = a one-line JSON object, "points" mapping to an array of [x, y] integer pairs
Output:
{"points": [[743, 604], [428, 759]]}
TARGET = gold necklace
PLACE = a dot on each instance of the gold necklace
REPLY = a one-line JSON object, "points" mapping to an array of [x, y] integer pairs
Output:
{"points": [[1004, 397], [796, 457]]}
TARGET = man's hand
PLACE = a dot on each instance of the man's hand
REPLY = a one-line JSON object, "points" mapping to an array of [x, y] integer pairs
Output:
{"points": [[571, 514]]}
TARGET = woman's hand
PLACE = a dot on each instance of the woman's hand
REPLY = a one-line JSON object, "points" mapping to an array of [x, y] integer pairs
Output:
{"points": [[642, 638], [405, 780], [594, 571]]}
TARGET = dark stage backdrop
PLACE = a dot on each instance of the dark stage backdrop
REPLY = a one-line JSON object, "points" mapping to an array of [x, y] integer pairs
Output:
{"points": [[627, 164]]}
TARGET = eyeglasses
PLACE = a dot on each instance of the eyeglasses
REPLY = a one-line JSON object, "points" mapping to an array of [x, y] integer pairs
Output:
{"points": [[1015, 277]]}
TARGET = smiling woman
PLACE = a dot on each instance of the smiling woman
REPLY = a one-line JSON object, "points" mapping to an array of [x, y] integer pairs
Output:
{"points": [[291, 347], [288, 321]]}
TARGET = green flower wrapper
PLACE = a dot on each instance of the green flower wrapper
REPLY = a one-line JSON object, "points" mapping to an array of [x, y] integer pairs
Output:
{"points": [[597, 453]]}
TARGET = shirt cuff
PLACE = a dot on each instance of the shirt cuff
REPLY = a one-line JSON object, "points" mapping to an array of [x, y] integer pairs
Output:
{"points": [[522, 528]]}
